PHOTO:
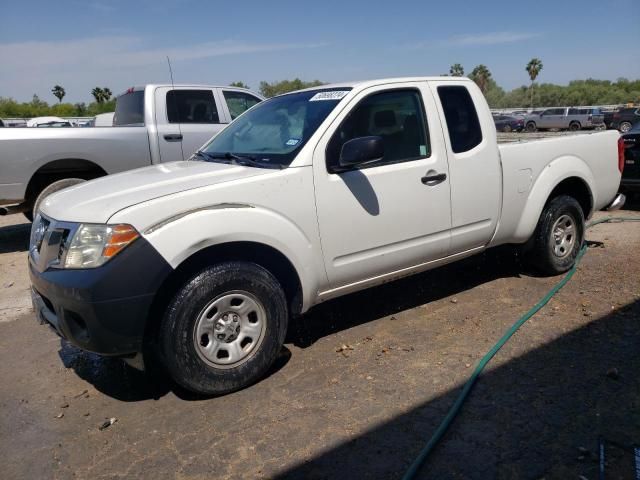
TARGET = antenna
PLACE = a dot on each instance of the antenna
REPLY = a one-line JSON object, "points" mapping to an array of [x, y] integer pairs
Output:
{"points": [[175, 105]]}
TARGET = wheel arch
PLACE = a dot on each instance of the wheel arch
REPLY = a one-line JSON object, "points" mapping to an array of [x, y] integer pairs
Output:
{"points": [[564, 176], [59, 169], [266, 256]]}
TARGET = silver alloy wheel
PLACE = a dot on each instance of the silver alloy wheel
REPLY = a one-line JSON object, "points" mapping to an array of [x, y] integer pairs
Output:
{"points": [[625, 127], [230, 329], [563, 236]]}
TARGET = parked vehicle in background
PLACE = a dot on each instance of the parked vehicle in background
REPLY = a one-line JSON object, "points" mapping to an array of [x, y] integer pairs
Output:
{"points": [[631, 174], [103, 120], [156, 123], [508, 123], [565, 118], [48, 122], [625, 118], [1, 123], [308, 196]]}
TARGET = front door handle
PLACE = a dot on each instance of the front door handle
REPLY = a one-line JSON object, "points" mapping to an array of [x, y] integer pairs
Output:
{"points": [[173, 137], [433, 178]]}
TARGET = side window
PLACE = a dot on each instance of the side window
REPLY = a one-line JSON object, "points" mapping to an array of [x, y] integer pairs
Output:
{"points": [[462, 118], [239, 102], [191, 106], [575, 111], [396, 116]]}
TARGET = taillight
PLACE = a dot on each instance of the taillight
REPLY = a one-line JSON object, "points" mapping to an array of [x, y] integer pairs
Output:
{"points": [[621, 154]]}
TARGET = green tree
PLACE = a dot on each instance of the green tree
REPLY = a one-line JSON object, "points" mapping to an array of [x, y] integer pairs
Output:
{"points": [[239, 85], [481, 75], [533, 68], [456, 70], [284, 86], [98, 94], [58, 92]]}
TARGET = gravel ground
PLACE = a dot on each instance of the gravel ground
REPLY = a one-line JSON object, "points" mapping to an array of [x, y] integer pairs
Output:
{"points": [[361, 383]]}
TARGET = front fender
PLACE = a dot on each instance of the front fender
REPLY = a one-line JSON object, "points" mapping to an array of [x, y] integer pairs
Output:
{"points": [[178, 238], [552, 175]]}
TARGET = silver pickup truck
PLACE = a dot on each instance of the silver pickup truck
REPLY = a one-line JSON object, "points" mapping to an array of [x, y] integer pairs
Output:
{"points": [[156, 124], [574, 118]]}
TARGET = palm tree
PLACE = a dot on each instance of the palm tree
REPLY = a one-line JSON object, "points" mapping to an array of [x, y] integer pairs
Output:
{"points": [[481, 76], [58, 92], [106, 94], [533, 68], [456, 70], [98, 94]]}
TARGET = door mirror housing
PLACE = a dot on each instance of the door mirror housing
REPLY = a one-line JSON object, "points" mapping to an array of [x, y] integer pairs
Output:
{"points": [[360, 151]]}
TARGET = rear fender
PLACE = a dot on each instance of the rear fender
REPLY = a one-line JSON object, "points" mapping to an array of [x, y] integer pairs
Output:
{"points": [[554, 173]]}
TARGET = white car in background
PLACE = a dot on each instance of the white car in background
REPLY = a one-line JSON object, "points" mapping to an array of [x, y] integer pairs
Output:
{"points": [[104, 120], [48, 122]]}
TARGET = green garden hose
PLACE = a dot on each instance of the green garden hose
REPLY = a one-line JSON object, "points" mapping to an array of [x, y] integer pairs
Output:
{"points": [[455, 409]]}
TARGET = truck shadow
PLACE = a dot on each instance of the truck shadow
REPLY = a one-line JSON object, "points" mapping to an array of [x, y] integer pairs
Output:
{"points": [[114, 378], [404, 294], [537, 416], [15, 238]]}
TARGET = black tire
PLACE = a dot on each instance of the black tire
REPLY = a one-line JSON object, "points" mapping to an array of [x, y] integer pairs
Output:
{"points": [[624, 127], [531, 127], [178, 351], [539, 251], [51, 188], [506, 129], [574, 126]]}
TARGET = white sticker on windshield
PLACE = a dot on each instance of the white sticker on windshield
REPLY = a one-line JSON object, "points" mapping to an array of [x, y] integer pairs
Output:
{"points": [[333, 95], [292, 141]]}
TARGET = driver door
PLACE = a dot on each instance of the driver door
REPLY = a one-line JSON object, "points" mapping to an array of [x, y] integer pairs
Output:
{"points": [[383, 218]]}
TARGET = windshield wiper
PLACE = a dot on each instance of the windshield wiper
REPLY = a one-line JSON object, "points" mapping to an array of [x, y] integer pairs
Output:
{"points": [[232, 158], [207, 156]]}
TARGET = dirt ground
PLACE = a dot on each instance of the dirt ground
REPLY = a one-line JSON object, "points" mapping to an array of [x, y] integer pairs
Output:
{"points": [[361, 384]]}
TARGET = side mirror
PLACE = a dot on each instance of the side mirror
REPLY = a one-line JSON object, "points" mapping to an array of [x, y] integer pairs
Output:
{"points": [[360, 151]]}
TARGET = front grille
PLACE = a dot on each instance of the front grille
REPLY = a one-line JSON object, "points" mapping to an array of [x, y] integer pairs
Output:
{"points": [[48, 241]]}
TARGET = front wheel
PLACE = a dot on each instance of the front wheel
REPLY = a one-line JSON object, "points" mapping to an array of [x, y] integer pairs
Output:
{"points": [[558, 237], [224, 328]]}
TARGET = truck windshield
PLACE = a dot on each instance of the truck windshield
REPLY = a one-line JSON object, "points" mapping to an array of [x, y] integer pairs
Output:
{"points": [[274, 131], [129, 109]]}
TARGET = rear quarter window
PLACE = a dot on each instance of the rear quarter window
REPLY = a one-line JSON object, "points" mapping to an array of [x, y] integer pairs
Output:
{"points": [[461, 117], [129, 109]]}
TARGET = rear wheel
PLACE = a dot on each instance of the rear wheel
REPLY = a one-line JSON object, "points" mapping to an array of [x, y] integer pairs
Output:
{"points": [[558, 237], [574, 126], [624, 127], [224, 328], [531, 127], [506, 128]]}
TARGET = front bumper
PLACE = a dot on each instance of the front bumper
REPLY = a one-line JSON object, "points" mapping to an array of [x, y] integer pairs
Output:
{"points": [[104, 309]]}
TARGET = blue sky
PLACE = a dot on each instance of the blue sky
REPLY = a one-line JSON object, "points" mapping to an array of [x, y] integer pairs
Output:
{"points": [[83, 44]]}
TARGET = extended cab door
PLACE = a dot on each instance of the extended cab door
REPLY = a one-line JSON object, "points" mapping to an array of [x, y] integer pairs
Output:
{"points": [[474, 163], [392, 214], [186, 118]]}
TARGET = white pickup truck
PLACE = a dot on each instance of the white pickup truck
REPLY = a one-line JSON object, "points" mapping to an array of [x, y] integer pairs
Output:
{"points": [[306, 197], [158, 123]]}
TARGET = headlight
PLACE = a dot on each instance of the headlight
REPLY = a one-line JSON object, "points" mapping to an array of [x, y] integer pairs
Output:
{"points": [[94, 245]]}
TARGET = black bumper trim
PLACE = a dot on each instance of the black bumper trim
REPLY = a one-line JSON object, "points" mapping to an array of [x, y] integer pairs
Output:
{"points": [[102, 310]]}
